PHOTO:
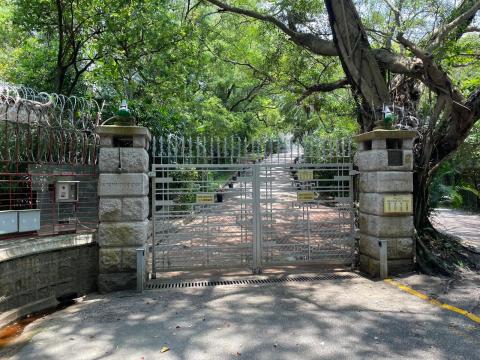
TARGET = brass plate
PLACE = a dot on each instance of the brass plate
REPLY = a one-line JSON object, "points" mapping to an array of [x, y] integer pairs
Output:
{"points": [[205, 198], [303, 196], [305, 175], [398, 204]]}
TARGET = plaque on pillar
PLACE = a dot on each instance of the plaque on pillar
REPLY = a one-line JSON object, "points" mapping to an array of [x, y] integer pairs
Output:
{"points": [[397, 204]]}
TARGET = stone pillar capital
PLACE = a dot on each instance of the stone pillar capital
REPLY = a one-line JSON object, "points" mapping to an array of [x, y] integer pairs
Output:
{"points": [[124, 136]]}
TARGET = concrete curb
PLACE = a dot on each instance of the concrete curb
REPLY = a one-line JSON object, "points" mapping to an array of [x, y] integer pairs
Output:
{"points": [[17, 248], [10, 316]]}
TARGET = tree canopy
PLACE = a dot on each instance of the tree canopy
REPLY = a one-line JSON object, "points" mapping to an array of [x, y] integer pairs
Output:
{"points": [[249, 67]]}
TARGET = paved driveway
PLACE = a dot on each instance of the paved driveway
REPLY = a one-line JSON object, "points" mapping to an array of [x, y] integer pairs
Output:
{"points": [[328, 319], [460, 223]]}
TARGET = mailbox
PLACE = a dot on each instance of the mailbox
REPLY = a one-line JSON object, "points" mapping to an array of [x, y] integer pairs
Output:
{"points": [[66, 191]]}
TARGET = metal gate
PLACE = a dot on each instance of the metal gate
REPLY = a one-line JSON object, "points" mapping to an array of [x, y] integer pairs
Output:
{"points": [[236, 204]]}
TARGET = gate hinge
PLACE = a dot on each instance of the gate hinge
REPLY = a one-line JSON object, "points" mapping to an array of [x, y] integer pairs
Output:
{"points": [[151, 174], [353, 172]]}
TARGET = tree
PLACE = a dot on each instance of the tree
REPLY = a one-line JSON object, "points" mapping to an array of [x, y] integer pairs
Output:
{"points": [[72, 27], [72, 37]]}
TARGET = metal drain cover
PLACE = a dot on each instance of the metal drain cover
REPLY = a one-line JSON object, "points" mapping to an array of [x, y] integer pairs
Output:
{"points": [[292, 278]]}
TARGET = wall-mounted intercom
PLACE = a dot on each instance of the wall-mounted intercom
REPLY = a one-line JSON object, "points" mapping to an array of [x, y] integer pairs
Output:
{"points": [[66, 191]]}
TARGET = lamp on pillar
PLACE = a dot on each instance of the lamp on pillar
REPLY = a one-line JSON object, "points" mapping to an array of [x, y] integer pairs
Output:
{"points": [[123, 117], [388, 118]]}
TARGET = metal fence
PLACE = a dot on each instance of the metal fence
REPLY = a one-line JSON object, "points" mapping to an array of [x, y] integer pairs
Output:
{"points": [[48, 158]]}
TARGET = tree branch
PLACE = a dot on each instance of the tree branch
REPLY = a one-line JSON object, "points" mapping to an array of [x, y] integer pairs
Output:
{"points": [[462, 119], [323, 87], [59, 76], [316, 44], [254, 69], [250, 96], [421, 54], [439, 35]]}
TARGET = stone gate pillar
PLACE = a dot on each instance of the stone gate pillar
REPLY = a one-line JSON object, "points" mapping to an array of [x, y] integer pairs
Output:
{"points": [[123, 188], [385, 162]]}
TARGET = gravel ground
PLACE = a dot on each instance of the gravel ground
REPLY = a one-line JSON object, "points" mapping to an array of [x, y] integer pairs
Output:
{"points": [[329, 319]]}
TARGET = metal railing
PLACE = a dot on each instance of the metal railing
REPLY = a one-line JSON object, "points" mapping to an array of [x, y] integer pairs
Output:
{"points": [[48, 158], [173, 149]]}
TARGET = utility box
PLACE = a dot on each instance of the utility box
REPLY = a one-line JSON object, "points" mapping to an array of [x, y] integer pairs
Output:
{"points": [[66, 225], [28, 220], [8, 222], [66, 191]]}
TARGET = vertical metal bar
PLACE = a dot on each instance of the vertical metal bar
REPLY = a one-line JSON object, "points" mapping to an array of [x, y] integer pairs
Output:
{"points": [[211, 151], [206, 216], [308, 232], [140, 269], [352, 215], [183, 150], [257, 220], [270, 202], [382, 244], [154, 206], [168, 149], [167, 218], [198, 149], [190, 150]]}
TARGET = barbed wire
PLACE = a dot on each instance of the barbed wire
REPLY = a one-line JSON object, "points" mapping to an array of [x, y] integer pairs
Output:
{"points": [[45, 128], [26, 105]]}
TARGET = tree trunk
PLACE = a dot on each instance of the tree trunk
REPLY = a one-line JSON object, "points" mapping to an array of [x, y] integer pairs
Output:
{"points": [[357, 58], [421, 182], [59, 79]]}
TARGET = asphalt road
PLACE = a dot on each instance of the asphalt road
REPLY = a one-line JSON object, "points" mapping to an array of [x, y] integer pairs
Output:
{"points": [[328, 319], [460, 223]]}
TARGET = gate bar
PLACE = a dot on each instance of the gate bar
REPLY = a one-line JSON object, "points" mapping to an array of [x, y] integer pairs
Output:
{"points": [[257, 221], [154, 206]]}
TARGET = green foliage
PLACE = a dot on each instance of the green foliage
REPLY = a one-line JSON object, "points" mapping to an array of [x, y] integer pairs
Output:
{"points": [[471, 190], [459, 176], [201, 72], [198, 74]]}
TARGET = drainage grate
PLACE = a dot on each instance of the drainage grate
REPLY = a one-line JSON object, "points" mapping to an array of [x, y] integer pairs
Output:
{"points": [[283, 279]]}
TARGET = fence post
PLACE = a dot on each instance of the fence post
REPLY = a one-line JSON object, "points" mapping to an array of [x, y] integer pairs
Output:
{"points": [[382, 244], [140, 269]]}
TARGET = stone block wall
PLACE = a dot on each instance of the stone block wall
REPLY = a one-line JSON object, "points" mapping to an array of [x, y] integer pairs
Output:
{"points": [[36, 269]]}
